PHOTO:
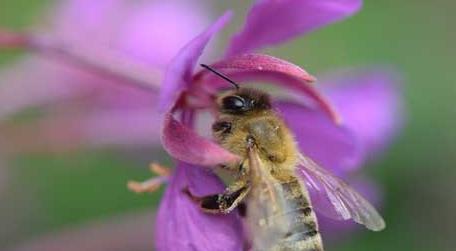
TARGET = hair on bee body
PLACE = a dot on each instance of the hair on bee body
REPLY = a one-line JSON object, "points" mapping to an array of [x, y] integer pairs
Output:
{"points": [[266, 186], [272, 196]]}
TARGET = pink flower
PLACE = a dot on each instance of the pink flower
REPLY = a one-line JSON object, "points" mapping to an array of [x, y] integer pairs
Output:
{"points": [[341, 139], [368, 105], [104, 46]]}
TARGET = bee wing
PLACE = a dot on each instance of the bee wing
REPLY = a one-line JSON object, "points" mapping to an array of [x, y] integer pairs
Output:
{"points": [[336, 199], [265, 218], [262, 178]]}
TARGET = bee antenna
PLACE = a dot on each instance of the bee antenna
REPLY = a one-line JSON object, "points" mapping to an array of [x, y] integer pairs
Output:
{"points": [[221, 75]]}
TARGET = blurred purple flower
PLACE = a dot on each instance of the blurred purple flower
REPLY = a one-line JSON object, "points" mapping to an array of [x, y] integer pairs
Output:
{"points": [[101, 42], [341, 148]]}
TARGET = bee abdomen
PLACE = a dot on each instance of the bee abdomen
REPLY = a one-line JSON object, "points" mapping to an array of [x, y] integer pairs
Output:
{"points": [[306, 240], [303, 233]]}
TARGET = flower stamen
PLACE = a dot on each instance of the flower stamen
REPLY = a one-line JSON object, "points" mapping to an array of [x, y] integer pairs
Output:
{"points": [[152, 184], [159, 169]]}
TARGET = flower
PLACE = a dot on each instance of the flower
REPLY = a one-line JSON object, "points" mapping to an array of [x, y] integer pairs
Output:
{"points": [[130, 41], [315, 124], [339, 146]]}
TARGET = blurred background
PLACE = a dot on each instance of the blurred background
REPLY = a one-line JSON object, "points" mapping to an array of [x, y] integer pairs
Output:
{"points": [[58, 193]]}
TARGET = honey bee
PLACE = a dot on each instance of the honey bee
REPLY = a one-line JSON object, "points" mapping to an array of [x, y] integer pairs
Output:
{"points": [[273, 178]]}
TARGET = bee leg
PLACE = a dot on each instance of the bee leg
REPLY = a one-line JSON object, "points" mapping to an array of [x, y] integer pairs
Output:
{"points": [[232, 198], [219, 203], [207, 203]]}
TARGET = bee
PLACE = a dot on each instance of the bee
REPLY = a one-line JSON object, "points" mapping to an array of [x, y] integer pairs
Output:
{"points": [[274, 178]]}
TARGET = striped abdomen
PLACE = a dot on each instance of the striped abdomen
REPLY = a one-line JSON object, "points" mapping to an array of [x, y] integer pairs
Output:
{"points": [[281, 218], [303, 233]]}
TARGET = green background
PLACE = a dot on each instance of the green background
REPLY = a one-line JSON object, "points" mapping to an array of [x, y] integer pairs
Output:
{"points": [[49, 192]]}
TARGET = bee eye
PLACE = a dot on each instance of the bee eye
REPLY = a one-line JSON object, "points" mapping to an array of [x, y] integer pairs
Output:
{"points": [[234, 103]]}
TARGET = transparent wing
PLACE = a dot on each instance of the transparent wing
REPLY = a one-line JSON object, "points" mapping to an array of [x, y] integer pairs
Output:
{"points": [[266, 205], [336, 199], [266, 195]]}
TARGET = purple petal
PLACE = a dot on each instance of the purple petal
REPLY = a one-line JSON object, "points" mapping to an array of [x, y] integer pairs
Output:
{"points": [[179, 74], [174, 23], [370, 104], [271, 22], [77, 20], [34, 82], [151, 31], [261, 68], [186, 145], [181, 225], [328, 144]]}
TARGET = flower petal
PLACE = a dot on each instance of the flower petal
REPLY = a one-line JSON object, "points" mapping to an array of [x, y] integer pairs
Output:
{"points": [[330, 145], [181, 225], [271, 22], [179, 22], [75, 19], [369, 102], [186, 145], [179, 74], [35, 82], [260, 67], [126, 26]]}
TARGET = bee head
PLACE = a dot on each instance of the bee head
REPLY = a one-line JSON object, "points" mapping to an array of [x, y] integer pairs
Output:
{"points": [[243, 100], [240, 100]]}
